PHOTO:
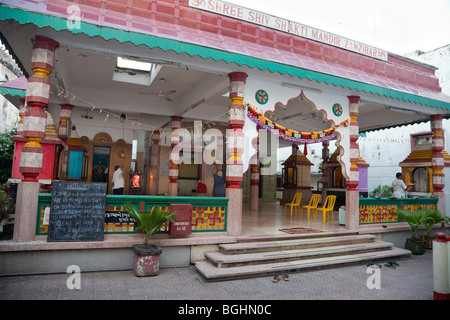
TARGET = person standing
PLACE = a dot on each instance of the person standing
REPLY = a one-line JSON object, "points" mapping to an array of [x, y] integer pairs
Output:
{"points": [[219, 183], [117, 181], [398, 187]]}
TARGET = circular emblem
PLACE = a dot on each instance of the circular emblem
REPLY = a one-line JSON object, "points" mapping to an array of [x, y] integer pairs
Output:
{"points": [[337, 109], [261, 97]]}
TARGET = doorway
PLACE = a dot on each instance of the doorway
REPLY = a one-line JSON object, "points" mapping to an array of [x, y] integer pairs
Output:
{"points": [[100, 164]]}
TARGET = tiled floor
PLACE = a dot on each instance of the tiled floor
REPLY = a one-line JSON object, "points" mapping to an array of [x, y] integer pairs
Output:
{"points": [[270, 218], [412, 280]]}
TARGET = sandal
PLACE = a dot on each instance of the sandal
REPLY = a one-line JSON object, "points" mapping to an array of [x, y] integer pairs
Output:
{"points": [[391, 264], [374, 265], [285, 277], [276, 279]]}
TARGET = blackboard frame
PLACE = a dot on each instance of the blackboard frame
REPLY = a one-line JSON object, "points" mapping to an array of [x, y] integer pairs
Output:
{"points": [[77, 211]]}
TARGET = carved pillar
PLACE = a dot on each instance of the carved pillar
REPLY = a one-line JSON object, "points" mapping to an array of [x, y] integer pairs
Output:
{"points": [[254, 187], [352, 193], [174, 158], [325, 174], [154, 164], [235, 148], [437, 161], [64, 117], [34, 123]]}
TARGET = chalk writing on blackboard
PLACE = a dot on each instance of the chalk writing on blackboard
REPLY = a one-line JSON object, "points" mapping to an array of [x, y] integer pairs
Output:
{"points": [[77, 211]]}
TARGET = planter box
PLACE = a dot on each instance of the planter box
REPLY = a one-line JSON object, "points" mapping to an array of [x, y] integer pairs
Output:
{"points": [[146, 260]]}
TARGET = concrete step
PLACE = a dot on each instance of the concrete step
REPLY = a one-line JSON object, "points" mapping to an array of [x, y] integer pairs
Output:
{"points": [[298, 243], [279, 237], [213, 273], [222, 260]]}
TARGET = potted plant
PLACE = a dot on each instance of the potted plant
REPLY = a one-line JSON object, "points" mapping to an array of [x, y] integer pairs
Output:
{"points": [[431, 217], [414, 219], [146, 255]]}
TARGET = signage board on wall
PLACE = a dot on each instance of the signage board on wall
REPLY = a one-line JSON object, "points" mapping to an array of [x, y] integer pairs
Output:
{"points": [[77, 212], [266, 20]]}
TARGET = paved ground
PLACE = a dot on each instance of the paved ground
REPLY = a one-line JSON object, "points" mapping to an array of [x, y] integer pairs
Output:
{"points": [[412, 280]]}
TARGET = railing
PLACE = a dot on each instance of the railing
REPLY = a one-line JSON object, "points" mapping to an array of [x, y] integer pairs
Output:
{"points": [[372, 211], [208, 214]]}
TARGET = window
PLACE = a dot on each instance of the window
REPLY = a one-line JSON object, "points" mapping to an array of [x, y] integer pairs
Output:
{"points": [[133, 64], [135, 71]]}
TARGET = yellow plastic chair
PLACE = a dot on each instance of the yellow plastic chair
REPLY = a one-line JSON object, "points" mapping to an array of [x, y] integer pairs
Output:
{"points": [[313, 202], [295, 203], [327, 208]]}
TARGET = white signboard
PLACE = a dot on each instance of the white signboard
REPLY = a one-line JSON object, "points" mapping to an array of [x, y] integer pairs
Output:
{"points": [[266, 20]]}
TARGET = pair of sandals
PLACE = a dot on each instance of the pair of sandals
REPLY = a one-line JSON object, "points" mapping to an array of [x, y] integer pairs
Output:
{"points": [[278, 278], [390, 264]]}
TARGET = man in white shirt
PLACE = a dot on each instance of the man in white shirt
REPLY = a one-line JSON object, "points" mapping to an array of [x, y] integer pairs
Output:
{"points": [[117, 181], [398, 187]]}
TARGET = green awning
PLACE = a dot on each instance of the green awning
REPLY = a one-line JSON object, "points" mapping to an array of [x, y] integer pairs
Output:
{"points": [[42, 20]]}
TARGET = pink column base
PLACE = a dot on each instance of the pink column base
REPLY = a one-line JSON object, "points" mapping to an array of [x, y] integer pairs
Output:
{"points": [[26, 212], [234, 212], [352, 209], [254, 197], [173, 189]]}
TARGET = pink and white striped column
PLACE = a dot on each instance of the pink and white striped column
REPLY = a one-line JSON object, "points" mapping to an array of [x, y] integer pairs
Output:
{"points": [[352, 193], [437, 161], [174, 157], [235, 148], [34, 123], [64, 116], [154, 164], [35, 118], [235, 135]]}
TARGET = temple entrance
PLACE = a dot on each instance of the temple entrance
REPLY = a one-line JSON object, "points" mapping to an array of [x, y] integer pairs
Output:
{"points": [[100, 164]]}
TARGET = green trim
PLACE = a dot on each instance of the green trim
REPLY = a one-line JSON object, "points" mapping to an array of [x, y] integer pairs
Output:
{"points": [[13, 92], [148, 201], [399, 125], [41, 20]]}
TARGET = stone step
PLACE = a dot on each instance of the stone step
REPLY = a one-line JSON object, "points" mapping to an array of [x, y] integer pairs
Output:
{"points": [[222, 260], [267, 246], [279, 237], [212, 273]]}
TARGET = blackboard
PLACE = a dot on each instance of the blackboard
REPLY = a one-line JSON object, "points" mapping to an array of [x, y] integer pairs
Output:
{"points": [[77, 212]]}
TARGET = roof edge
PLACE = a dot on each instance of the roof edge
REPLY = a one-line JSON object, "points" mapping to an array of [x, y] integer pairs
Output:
{"points": [[41, 20]]}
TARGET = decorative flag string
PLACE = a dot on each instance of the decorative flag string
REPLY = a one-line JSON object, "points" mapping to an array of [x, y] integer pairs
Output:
{"points": [[292, 135]]}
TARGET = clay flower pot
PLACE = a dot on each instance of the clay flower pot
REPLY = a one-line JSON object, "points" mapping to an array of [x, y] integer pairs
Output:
{"points": [[146, 260], [146, 255]]}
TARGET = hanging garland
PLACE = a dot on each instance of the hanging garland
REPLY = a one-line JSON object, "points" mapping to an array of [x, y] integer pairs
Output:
{"points": [[291, 135]]}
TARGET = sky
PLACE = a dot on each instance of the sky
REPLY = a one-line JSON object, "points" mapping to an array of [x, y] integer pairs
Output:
{"points": [[397, 26]]}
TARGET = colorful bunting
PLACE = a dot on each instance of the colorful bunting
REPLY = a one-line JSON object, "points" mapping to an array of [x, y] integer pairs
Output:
{"points": [[292, 135]]}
